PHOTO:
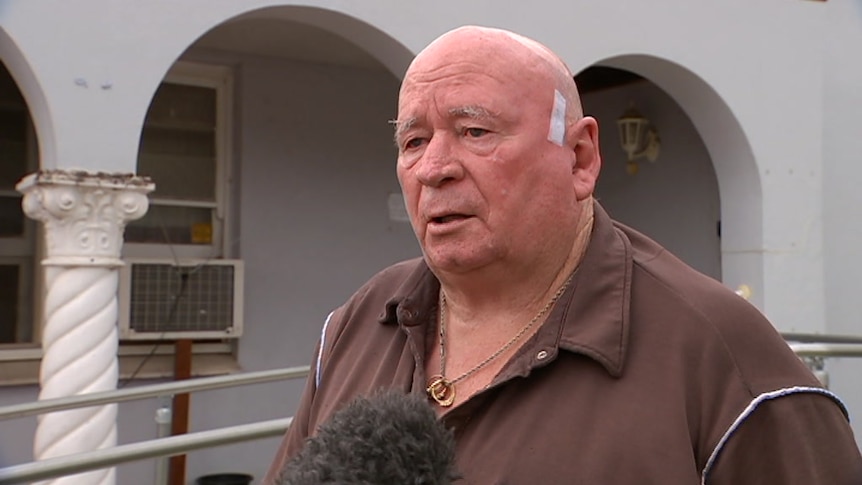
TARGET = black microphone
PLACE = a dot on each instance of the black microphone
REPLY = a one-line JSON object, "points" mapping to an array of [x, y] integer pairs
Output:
{"points": [[389, 438]]}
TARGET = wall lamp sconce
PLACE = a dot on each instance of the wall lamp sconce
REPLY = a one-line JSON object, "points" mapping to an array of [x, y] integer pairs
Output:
{"points": [[638, 139]]}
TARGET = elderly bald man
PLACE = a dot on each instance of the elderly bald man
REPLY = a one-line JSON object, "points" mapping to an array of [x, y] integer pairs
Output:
{"points": [[559, 345]]}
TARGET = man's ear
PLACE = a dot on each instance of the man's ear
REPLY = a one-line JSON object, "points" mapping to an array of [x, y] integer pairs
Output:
{"points": [[583, 140]]}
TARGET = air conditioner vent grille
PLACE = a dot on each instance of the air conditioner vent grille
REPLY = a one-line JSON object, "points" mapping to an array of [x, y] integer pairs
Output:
{"points": [[170, 298]]}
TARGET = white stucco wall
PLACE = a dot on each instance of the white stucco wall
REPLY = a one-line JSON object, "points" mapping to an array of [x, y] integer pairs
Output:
{"points": [[18, 450], [842, 199]]}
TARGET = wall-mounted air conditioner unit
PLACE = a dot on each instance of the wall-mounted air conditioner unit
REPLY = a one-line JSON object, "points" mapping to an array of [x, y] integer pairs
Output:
{"points": [[187, 299]]}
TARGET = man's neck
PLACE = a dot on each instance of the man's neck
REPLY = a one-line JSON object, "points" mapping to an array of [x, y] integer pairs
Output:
{"points": [[507, 290]]}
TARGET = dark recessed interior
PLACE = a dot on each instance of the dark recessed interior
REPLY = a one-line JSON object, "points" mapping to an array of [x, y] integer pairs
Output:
{"points": [[596, 78]]}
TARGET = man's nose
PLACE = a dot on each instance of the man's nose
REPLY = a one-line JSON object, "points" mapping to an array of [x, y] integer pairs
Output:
{"points": [[439, 163]]}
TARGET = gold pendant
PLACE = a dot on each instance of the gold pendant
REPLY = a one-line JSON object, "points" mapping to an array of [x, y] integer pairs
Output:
{"points": [[441, 391]]}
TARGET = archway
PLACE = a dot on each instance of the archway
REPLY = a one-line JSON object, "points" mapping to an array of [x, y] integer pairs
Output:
{"points": [[303, 181], [239, 69], [732, 158], [672, 198], [19, 145], [22, 73]]}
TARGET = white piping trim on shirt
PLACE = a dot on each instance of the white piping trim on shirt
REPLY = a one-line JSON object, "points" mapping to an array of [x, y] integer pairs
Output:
{"points": [[320, 351], [766, 396]]}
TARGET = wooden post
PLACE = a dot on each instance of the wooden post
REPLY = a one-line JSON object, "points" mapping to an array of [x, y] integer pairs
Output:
{"points": [[180, 423]]}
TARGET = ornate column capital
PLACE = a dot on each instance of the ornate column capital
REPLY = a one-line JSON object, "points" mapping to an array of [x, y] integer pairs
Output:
{"points": [[84, 213]]}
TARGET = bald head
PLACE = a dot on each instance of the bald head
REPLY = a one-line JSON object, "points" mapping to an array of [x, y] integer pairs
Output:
{"points": [[525, 59], [485, 117]]}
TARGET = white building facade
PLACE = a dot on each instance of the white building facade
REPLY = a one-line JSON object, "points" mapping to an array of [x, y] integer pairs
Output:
{"points": [[263, 126]]}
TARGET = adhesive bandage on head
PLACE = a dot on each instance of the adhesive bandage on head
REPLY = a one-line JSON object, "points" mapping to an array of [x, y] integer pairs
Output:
{"points": [[557, 130]]}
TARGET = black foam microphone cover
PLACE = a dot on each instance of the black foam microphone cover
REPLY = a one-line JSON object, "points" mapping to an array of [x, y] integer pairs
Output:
{"points": [[389, 438]]}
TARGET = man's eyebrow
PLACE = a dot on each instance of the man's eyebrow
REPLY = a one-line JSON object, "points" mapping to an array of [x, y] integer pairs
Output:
{"points": [[471, 111], [401, 126]]}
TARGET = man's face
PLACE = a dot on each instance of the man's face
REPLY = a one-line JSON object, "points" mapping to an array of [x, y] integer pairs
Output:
{"points": [[482, 182]]}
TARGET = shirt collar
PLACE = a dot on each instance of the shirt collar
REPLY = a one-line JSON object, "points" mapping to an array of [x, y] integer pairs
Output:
{"points": [[415, 301], [593, 312]]}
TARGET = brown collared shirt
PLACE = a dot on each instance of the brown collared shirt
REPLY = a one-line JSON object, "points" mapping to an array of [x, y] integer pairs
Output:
{"points": [[645, 372]]}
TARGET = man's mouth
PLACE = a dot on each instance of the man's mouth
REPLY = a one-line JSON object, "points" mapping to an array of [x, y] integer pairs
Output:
{"points": [[448, 218]]}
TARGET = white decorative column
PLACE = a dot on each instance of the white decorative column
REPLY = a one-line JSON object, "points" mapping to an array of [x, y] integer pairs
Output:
{"points": [[84, 215]]}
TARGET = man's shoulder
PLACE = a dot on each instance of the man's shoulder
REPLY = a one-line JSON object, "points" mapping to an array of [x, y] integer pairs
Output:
{"points": [[712, 319], [660, 276]]}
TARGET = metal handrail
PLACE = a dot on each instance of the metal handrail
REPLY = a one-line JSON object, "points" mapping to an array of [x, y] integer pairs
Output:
{"points": [[173, 445], [153, 390], [826, 349], [824, 345], [821, 338]]}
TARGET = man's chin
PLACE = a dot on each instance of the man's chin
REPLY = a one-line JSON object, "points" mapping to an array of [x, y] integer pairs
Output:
{"points": [[457, 262]]}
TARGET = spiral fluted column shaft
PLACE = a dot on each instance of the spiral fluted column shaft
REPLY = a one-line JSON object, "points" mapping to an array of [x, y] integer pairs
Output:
{"points": [[84, 216]]}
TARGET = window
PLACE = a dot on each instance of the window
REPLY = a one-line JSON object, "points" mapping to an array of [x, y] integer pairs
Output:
{"points": [[184, 148], [17, 158]]}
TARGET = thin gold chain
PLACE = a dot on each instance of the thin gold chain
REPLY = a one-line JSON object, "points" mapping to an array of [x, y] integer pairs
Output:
{"points": [[502, 349]]}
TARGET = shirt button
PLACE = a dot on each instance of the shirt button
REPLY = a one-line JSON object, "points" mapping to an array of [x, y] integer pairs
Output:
{"points": [[542, 355], [405, 314]]}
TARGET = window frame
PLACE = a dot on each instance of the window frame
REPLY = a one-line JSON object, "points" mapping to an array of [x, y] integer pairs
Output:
{"points": [[219, 78], [216, 357]]}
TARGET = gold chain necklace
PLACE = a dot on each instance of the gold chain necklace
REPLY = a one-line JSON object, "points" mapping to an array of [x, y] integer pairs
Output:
{"points": [[441, 389]]}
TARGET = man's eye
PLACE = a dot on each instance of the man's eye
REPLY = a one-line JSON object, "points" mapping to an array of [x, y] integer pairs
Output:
{"points": [[475, 132], [413, 143]]}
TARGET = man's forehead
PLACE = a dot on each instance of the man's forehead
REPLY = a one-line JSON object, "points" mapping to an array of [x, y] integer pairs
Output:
{"points": [[466, 90], [514, 58], [453, 59], [496, 65]]}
